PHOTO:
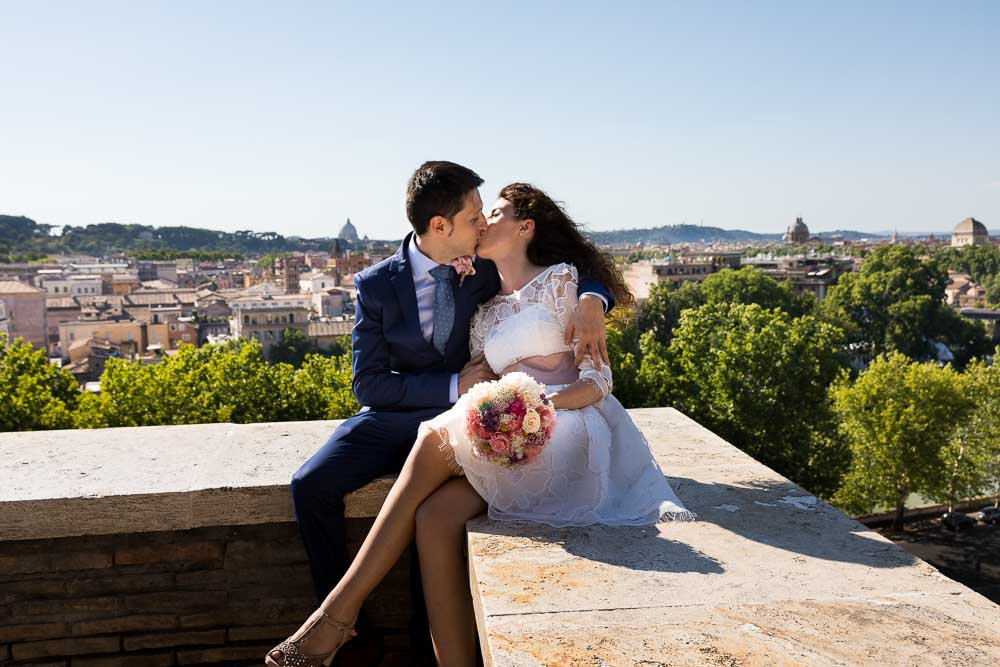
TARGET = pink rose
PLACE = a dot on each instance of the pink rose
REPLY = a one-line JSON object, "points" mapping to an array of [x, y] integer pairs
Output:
{"points": [[500, 443]]}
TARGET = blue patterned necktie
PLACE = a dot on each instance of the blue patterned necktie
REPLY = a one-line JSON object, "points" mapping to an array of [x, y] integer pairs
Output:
{"points": [[444, 306]]}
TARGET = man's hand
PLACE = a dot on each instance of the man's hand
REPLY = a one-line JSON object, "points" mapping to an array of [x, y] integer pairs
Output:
{"points": [[474, 372], [587, 325]]}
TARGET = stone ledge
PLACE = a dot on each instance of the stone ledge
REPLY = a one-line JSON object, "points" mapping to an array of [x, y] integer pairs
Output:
{"points": [[117, 480], [768, 575]]}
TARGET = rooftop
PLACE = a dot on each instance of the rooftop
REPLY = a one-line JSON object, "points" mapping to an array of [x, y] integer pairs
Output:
{"points": [[17, 287]]}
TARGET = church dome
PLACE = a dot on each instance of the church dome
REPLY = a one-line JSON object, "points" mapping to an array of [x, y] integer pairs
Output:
{"points": [[348, 232], [970, 226], [797, 233]]}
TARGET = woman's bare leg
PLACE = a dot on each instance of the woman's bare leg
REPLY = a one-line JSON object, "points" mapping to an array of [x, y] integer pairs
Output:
{"points": [[425, 470], [441, 544]]}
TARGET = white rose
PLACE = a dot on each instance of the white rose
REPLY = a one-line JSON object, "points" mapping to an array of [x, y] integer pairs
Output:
{"points": [[532, 422]]}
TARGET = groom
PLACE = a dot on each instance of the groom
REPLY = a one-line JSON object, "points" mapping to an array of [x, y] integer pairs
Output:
{"points": [[410, 354]]}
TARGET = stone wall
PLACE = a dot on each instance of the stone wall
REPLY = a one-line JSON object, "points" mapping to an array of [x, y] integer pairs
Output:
{"points": [[205, 595]]}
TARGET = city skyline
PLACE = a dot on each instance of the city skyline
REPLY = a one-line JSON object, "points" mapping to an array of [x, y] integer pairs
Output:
{"points": [[291, 120]]}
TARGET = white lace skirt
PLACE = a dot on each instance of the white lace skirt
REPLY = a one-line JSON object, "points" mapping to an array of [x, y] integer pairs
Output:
{"points": [[596, 469]]}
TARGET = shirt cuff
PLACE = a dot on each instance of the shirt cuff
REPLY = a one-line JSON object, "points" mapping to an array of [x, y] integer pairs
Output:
{"points": [[599, 296], [453, 392]]}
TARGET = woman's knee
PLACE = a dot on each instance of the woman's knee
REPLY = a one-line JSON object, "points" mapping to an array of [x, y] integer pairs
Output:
{"points": [[436, 520]]}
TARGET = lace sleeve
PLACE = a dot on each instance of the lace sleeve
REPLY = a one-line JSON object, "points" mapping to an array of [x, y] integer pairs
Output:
{"points": [[477, 333], [563, 287]]}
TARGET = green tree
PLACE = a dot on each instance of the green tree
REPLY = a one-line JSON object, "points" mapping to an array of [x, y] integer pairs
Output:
{"points": [[267, 261], [213, 383], [971, 459], [993, 291], [34, 394], [220, 383], [661, 312], [759, 379], [292, 348], [980, 262], [751, 285], [896, 303], [897, 417], [625, 357], [323, 384]]}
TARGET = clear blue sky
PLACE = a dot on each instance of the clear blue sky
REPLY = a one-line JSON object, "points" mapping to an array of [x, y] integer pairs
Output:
{"points": [[291, 117]]}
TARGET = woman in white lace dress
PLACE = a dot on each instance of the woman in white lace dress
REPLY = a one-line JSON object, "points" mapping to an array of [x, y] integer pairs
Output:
{"points": [[596, 469]]}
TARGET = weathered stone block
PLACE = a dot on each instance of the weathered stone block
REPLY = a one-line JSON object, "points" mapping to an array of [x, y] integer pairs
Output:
{"points": [[165, 639], [119, 582], [222, 654], [240, 553], [26, 632], [175, 601], [272, 632], [270, 610], [201, 579], [162, 659], [24, 563], [68, 609], [30, 589], [130, 623], [204, 619], [196, 552], [64, 647]]}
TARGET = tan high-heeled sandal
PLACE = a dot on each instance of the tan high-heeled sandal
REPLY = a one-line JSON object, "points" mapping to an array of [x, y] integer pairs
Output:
{"points": [[293, 655]]}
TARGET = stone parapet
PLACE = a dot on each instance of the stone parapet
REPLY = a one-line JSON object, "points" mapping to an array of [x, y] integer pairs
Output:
{"points": [[166, 546], [130, 480], [175, 546]]}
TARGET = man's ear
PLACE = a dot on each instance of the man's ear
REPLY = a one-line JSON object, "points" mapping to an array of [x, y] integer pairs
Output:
{"points": [[440, 226]]}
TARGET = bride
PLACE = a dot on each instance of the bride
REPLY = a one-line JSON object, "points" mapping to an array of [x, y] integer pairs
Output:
{"points": [[596, 469]]}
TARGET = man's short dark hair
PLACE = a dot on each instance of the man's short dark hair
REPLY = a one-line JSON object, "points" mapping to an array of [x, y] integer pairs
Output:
{"points": [[438, 188]]}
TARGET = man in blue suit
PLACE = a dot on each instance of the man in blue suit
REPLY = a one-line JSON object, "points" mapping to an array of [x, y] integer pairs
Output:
{"points": [[410, 354]]}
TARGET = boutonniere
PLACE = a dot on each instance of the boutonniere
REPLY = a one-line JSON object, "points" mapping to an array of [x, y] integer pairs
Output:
{"points": [[463, 267]]}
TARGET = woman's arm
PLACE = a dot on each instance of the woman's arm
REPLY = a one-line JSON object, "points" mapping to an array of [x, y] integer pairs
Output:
{"points": [[578, 395]]}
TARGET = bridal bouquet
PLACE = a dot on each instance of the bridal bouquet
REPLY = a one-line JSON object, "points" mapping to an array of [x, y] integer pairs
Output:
{"points": [[509, 420]]}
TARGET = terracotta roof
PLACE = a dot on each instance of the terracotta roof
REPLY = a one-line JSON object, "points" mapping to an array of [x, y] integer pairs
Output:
{"points": [[17, 287]]}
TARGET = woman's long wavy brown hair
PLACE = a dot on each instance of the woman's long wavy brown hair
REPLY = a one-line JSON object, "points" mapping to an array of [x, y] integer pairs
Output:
{"points": [[558, 239]]}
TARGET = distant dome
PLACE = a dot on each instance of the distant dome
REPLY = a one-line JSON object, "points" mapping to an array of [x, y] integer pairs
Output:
{"points": [[970, 226], [970, 232], [348, 232], [797, 233]]}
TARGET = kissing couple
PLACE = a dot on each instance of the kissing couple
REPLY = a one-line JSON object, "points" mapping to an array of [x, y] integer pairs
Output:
{"points": [[532, 300]]}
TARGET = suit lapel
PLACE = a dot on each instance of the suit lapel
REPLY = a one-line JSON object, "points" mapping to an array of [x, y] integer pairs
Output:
{"points": [[402, 285]]}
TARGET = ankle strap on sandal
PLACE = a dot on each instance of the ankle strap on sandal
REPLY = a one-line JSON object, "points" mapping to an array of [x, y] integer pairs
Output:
{"points": [[343, 627]]}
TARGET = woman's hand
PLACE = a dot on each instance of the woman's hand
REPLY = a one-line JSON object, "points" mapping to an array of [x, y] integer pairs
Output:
{"points": [[587, 325]]}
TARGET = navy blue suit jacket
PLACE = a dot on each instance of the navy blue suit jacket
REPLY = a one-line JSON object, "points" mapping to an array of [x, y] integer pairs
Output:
{"points": [[395, 368]]}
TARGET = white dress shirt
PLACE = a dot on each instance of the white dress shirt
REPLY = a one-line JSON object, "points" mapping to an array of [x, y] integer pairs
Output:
{"points": [[424, 284]]}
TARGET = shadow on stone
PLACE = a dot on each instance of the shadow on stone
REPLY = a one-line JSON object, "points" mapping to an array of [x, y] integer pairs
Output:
{"points": [[640, 548], [782, 515]]}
